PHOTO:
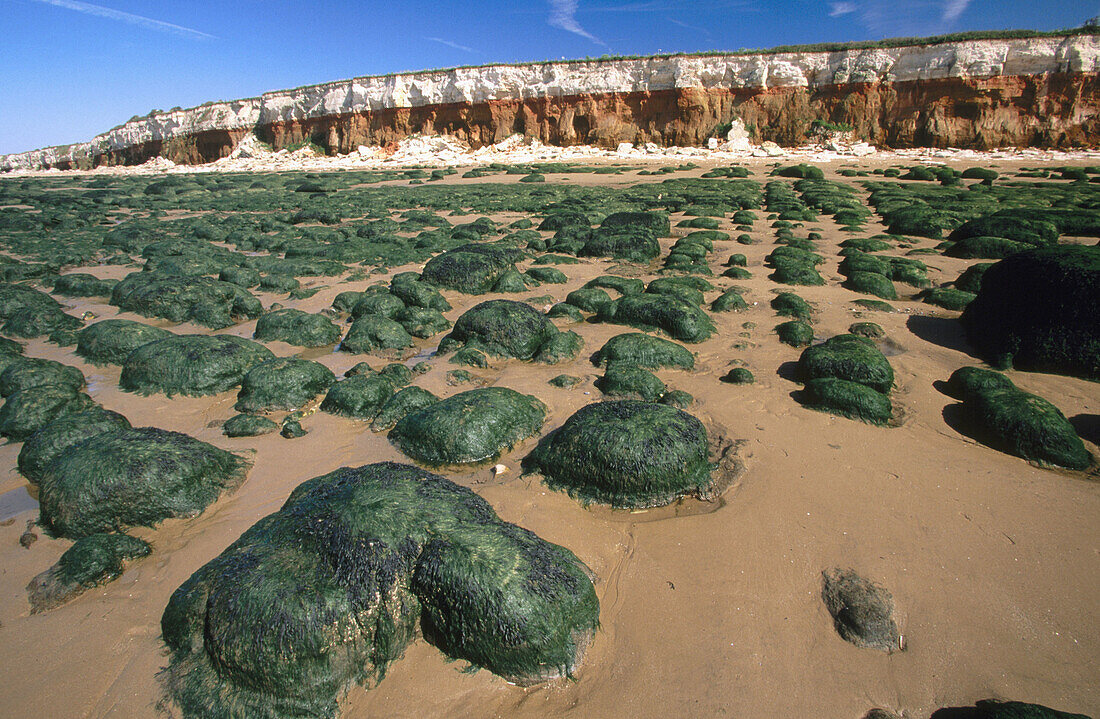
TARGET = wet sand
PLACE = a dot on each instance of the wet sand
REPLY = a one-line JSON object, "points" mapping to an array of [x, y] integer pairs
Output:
{"points": [[993, 563]]}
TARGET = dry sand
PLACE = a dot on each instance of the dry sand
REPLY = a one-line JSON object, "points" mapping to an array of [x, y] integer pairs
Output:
{"points": [[706, 610]]}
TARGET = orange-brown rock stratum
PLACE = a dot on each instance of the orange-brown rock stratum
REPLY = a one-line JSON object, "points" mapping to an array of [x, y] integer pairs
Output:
{"points": [[1039, 91]]}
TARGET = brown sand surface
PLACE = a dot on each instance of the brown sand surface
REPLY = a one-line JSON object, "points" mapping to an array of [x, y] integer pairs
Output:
{"points": [[706, 609]]}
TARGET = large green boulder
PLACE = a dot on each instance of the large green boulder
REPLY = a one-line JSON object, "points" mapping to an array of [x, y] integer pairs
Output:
{"points": [[473, 269], [296, 327], [680, 320], [132, 477], [644, 350], [193, 365], [848, 357], [1006, 418], [626, 453], [1037, 310], [503, 328], [330, 590], [112, 341], [208, 302], [45, 445], [470, 427], [282, 383]]}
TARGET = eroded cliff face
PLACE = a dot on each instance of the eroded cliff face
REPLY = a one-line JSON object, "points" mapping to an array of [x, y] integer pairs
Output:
{"points": [[979, 94]]}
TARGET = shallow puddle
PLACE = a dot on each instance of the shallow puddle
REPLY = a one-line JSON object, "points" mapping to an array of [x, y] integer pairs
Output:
{"points": [[16, 502]]}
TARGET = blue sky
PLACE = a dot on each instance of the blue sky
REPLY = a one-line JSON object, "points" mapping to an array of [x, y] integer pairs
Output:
{"points": [[71, 69]]}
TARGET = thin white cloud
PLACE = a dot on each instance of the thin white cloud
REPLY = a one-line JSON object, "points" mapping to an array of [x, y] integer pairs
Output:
{"points": [[953, 8], [836, 9], [563, 15], [139, 20], [685, 25], [449, 43]]}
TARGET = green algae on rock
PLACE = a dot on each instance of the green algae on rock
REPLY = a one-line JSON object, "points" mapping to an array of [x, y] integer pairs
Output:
{"points": [[470, 427], [627, 453], [296, 327], [111, 341], [338, 580], [192, 365], [282, 383], [133, 477]]}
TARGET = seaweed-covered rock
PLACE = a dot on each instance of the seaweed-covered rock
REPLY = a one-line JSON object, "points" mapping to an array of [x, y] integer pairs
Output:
{"points": [[282, 383], [986, 248], [502, 328], [473, 269], [133, 477], [971, 278], [947, 298], [296, 327], [93, 560], [1034, 232], [567, 311], [1036, 310], [589, 299], [627, 380], [548, 275], [292, 429], [31, 409], [65, 431], [738, 375], [1009, 419], [872, 283], [112, 341], [565, 381], [474, 426], [32, 322], [870, 330], [848, 357], [403, 402], [408, 288], [193, 365], [421, 322], [376, 334], [795, 333], [248, 425], [17, 297], [622, 285], [848, 399], [967, 383], [626, 453], [658, 222], [862, 611], [630, 244], [245, 277], [202, 300], [788, 304], [642, 350], [383, 304], [677, 398], [279, 283], [327, 592], [679, 319], [996, 709], [561, 347], [470, 357], [34, 372], [729, 301], [874, 305], [82, 284], [360, 396]]}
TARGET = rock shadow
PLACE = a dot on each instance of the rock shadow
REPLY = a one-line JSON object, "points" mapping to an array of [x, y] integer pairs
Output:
{"points": [[942, 331], [1087, 427]]}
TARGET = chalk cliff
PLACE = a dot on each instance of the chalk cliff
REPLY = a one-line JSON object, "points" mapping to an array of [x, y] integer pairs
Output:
{"points": [[1042, 91]]}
